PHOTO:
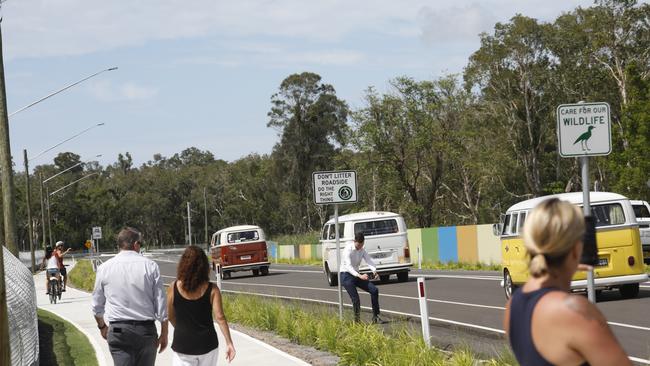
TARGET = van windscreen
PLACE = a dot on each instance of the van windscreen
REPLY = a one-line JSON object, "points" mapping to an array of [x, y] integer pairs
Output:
{"points": [[641, 212], [378, 227], [242, 236]]}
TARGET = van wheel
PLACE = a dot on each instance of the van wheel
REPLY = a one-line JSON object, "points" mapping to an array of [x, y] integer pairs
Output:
{"points": [[402, 276], [508, 286], [256, 272], [384, 278], [264, 271], [332, 278], [629, 291]]}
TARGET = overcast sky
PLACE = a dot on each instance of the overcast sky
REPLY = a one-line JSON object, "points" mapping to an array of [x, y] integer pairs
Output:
{"points": [[201, 73]]}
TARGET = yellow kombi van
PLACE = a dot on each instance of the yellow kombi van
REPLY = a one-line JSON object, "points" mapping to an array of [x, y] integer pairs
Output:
{"points": [[620, 258]]}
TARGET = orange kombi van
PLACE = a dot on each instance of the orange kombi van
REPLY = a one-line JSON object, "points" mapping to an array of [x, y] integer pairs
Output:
{"points": [[239, 248], [620, 258]]}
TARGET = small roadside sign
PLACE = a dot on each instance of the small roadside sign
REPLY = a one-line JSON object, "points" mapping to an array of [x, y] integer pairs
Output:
{"points": [[335, 187], [97, 232], [584, 129], [88, 244]]}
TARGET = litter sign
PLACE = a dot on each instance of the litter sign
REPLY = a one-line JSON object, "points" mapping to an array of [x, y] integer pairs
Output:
{"points": [[335, 187]]}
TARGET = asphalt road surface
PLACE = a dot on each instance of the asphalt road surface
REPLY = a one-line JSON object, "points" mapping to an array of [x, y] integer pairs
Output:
{"points": [[465, 307]]}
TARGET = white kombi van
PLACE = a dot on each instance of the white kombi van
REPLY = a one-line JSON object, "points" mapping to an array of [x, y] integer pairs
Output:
{"points": [[386, 243], [642, 213]]}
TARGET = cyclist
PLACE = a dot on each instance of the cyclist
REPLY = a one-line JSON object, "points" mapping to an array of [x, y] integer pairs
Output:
{"points": [[59, 253], [52, 268]]}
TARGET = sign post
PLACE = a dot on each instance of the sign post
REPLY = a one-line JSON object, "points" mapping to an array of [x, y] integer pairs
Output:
{"points": [[584, 130], [97, 234], [334, 187]]}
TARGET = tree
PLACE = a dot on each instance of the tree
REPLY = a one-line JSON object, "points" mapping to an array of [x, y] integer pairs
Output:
{"points": [[311, 121], [406, 130]]}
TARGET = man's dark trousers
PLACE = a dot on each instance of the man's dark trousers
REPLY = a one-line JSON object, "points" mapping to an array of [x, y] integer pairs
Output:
{"points": [[351, 283], [133, 343]]}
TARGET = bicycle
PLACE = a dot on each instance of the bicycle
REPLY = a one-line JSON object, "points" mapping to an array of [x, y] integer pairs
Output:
{"points": [[54, 287]]}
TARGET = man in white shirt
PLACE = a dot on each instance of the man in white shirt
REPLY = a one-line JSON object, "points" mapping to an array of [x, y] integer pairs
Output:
{"points": [[351, 278], [129, 296]]}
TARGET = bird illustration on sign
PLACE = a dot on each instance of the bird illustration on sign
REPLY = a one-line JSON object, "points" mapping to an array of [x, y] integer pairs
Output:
{"points": [[584, 138]]}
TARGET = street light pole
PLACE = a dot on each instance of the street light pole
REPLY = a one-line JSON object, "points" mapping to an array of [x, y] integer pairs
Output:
{"points": [[29, 213], [40, 178], [61, 90], [49, 219]]}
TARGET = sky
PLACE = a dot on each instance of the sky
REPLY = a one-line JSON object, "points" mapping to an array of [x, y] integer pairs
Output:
{"points": [[201, 73]]}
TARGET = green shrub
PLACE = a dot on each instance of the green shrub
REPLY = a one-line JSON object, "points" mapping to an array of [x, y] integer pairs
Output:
{"points": [[82, 276], [450, 265], [355, 343]]}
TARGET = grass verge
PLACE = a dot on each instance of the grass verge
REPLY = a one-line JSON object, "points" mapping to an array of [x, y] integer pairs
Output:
{"points": [[299, 261], [460, 266], [82, 276], [61, 343], [356, 344]]}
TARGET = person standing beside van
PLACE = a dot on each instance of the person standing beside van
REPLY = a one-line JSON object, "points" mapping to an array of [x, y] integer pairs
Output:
{"points": [[546, 324], [192, 304], [351, 278]]}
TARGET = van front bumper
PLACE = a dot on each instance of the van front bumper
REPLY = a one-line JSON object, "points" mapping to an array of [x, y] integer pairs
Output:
{"points": [[611, 281], [389, 268]]}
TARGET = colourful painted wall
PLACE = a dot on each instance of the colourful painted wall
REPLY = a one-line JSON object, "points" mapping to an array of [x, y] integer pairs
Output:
{"points": [[468, 244]]}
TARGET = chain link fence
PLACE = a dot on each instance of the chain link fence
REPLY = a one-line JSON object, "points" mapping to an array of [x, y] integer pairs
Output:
{"points": [[21, 309]]}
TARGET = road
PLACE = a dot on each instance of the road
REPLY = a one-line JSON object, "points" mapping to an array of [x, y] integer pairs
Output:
{"points": [[464, 307]]}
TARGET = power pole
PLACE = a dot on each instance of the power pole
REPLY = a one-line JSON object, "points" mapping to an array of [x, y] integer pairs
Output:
{"points": [[8, 206], [6, 170]]}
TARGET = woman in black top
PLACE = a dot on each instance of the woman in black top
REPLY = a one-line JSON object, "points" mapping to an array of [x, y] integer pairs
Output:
{"points": [[192, 301], [546, 324]]}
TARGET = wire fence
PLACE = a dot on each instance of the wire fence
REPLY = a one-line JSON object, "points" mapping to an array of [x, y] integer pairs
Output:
{"points": [[21, 311]]}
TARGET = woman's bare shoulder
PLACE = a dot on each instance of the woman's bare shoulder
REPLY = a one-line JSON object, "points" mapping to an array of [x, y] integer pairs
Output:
{"points": [[569, 309]]}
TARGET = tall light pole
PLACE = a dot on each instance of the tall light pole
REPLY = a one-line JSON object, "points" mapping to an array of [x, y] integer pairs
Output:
{"points": [[29, 214], [47, 198], [61, 90], [49, 222]]}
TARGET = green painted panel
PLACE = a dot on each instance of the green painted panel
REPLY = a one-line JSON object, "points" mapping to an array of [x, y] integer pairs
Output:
{"points": [[430, 244]]}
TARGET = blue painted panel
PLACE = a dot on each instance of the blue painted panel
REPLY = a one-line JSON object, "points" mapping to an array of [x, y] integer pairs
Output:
{"points": [[447, 246], [272, 248]]}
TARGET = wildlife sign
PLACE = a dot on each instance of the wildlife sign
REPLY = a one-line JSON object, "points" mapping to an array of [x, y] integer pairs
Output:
{"points": [[584, 129]]}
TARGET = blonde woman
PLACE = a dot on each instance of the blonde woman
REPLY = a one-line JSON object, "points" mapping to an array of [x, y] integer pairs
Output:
{"points": [[546, 324], [192, 304]]}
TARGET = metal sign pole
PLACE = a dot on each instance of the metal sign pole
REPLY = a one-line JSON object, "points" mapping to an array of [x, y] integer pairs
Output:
{"points": [[586, 207], [338, 258]]}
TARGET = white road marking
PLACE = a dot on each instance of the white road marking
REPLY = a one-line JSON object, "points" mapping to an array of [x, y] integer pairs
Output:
{"points": [[364, 293], [468, 277]]}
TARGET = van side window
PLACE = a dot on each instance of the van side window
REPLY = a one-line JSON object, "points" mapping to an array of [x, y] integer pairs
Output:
{"points": [[325, 230], [506, 225], [218, 240], [522, 218], [608, 214], [378, 227], [513, 225]]}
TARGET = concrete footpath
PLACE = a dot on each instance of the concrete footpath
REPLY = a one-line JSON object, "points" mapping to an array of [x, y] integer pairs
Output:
{"points": [[75, 307]]}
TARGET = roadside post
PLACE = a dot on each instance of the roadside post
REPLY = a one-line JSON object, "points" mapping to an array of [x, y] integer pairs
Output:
{"points": [[334, 187], [424, 311], [584, 130], [219, 277], [419, 257]]}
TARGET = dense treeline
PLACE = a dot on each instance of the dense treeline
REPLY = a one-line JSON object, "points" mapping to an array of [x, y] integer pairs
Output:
{"points": [[456, 150]]}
